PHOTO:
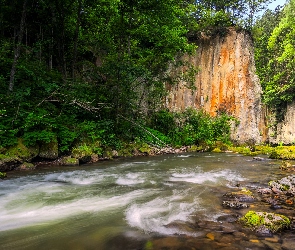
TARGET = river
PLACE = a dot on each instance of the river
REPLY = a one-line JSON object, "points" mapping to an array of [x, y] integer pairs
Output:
{"points": [[161, 202]]}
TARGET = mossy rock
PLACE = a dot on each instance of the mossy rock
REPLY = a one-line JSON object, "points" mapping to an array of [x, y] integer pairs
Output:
{"points": [[3, 175], [264, 149], [13, 156], [286, 165], [82, 153], [244, 195], [217, 150], [26, 166], [49, 150], [220, 145], [69, 161], [107, 153], [253, 150], [22, 152], [286, 184], [195, 148], [273, 222], [283, 152], [145, 148], [127, 150], [248, 151]]}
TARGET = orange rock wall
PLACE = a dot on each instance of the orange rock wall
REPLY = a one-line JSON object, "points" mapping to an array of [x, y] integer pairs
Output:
{"points": [[225, 82]]}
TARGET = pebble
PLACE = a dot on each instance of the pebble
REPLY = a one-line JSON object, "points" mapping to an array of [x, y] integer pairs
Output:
{"points": [[210, 236]]}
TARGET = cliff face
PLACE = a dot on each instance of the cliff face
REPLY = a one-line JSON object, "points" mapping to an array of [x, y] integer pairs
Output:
{"points": [[225, 82], [284, 131]]}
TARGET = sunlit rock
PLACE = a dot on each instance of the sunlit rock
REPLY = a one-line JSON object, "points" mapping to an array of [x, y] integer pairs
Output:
{"points": [[264, 222]]}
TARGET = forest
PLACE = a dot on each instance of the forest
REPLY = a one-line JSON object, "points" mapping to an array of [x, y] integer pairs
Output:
{"points": [[94, 72]]}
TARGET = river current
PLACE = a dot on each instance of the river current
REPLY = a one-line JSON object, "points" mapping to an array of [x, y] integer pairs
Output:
{"points": [[136, 203]]}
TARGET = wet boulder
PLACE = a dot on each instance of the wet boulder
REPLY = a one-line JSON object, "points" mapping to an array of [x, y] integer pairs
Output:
{"points": [[234, 204], [243, 195], [285, 185], [238, 199]]}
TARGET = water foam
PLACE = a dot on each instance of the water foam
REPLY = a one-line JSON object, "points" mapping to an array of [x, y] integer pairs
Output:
{"points": [[17, 213], [130, 179], [202, 177], [163, 215], [79, 177]]}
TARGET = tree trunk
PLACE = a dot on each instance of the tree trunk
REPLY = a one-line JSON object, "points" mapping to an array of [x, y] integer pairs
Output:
{"points": [[76, 39], [17, 48]]}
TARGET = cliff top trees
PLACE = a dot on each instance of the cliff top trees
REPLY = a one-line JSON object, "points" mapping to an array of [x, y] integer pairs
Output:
{"points": [[275, 56]]}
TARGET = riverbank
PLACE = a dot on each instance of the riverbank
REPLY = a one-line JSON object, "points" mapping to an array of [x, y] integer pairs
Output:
{"points": [[22, 157]]}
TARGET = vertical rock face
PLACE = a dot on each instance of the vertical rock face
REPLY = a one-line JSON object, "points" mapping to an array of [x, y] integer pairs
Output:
{"points": [[284, 131], [225, 82]]}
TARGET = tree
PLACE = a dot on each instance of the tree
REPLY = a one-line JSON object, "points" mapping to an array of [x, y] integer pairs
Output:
{"points": [[277, 73], [18, 46]]}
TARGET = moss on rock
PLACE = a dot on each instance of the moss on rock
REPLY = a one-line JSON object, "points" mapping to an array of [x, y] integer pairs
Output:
{"points": [[283, 152], [13, 156], [286, 165], [20, 151], [82, 153], [2, 175], [273, 222], [145, 148], [216, 150], [49, 150], [26, 166], [253, 150], [69, 161]]}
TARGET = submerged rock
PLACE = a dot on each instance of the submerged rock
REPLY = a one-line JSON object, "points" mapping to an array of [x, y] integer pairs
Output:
{"points": [[234, 204], [264, 223], [238, 199], [243, 195]]}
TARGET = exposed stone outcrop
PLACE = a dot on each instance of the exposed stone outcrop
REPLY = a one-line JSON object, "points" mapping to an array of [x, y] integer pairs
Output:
{"points": [[284, 131], [226, 82]]}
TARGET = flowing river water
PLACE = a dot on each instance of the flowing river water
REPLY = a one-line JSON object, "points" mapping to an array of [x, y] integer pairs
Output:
{"points": [[161, 202]]}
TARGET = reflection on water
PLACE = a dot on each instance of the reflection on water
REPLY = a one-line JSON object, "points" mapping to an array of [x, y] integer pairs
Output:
{"points": [[120, 204]]}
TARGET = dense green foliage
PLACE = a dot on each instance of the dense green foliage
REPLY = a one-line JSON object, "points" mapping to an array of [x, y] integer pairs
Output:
{"points": [[73, 71], [275, 56], [191, 127]]}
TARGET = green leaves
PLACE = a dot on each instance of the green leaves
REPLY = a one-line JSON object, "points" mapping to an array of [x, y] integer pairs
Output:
{"points": [[275, 56]]}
